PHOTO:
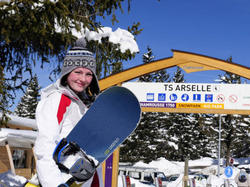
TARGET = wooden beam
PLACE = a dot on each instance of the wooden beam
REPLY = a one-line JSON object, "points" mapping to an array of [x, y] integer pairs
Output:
{"points": [[136, 72], [10, 158], [29, 158], [213, 63], [179, 58]]}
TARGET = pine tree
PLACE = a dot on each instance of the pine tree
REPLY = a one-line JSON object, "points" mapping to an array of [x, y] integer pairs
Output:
{"points": [[207, 141], [235, 128], [185, 132], [182, 135], [241, 144], [178, 76], [146, 142], [27, 106], [178, 129], [30, 33], [5, 99]]}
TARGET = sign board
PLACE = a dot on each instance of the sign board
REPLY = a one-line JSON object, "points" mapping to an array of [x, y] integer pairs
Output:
{"points": [[231, 161], [228, 171], [192, 95]]}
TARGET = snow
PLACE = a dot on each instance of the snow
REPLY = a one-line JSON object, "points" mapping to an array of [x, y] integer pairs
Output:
{"points": [[19, 121], [10, 179], [168, 167], [17, 138], [120, 36], [124, 38]]}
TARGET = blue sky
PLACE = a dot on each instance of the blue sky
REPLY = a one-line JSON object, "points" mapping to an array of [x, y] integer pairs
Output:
{"points": [[216, 28]]}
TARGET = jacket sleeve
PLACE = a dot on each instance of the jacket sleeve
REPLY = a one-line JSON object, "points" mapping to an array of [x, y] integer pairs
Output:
{"points": [[48, 136]]}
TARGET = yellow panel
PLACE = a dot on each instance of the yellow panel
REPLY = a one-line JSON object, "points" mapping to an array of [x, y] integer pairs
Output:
{"points": [[196, 110]]}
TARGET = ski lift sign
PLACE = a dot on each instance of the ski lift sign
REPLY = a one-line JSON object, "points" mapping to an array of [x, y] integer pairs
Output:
{"points": [[192, 95]]}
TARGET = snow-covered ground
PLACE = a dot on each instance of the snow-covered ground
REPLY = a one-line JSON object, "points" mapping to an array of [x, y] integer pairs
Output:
{"points": [[168, 167], [210, 168], [8, 179]]}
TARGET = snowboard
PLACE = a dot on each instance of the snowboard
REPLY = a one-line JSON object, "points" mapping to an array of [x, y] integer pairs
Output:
{"points": [[109, 121]]}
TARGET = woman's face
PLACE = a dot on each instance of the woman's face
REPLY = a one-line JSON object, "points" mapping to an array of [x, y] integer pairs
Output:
{"points": [[79, 79]]}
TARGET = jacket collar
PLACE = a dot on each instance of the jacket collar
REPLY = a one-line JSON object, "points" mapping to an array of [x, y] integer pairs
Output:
{"points": [[57, 87]]}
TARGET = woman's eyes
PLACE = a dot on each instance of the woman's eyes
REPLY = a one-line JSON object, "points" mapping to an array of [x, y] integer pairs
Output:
{"points": [[87, 74], [77, 72]]}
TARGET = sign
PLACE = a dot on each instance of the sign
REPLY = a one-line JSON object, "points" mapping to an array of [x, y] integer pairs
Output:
{"points": [[231, 161], [192, 95], [228, 171], [220, 98]]}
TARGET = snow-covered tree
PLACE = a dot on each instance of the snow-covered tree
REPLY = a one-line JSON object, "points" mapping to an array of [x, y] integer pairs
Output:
{"points": [[5, 98], [26, 108], [185, 132], [235, 128], [44, 32], [178, 76], [146, 142], [241, 146], [27, 105], [209, 134], [174, 136]]}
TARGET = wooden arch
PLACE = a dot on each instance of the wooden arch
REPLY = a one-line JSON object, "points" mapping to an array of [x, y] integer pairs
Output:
{"points": [[190, 62]]}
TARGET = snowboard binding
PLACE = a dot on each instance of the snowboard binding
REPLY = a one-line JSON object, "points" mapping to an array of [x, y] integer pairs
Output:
{"points": [[82, 170]]}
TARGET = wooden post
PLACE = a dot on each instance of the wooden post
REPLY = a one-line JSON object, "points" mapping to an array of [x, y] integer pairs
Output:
{"points": [[185, 178], [103, 171], [33, 151], [10, 158], [33, 169], [28, 158], [116, 155], [110, 169]]}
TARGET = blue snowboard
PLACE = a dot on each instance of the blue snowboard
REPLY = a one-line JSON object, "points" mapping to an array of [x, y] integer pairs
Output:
{"points": [[109, 121]]}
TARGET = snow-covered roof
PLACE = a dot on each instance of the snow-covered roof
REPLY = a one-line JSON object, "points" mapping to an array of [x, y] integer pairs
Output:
{"points": [[18, 138], [20, 121]]}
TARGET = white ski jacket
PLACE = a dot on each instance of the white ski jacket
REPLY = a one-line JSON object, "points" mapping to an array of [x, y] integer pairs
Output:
{"points": [[57, 113]]}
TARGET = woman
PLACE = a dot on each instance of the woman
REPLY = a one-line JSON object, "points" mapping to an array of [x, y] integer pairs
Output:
{"points": [[62, 105]]}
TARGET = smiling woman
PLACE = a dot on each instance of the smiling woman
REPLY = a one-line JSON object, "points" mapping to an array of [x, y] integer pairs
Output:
{"points": [[62, 105], [79, 79]]}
